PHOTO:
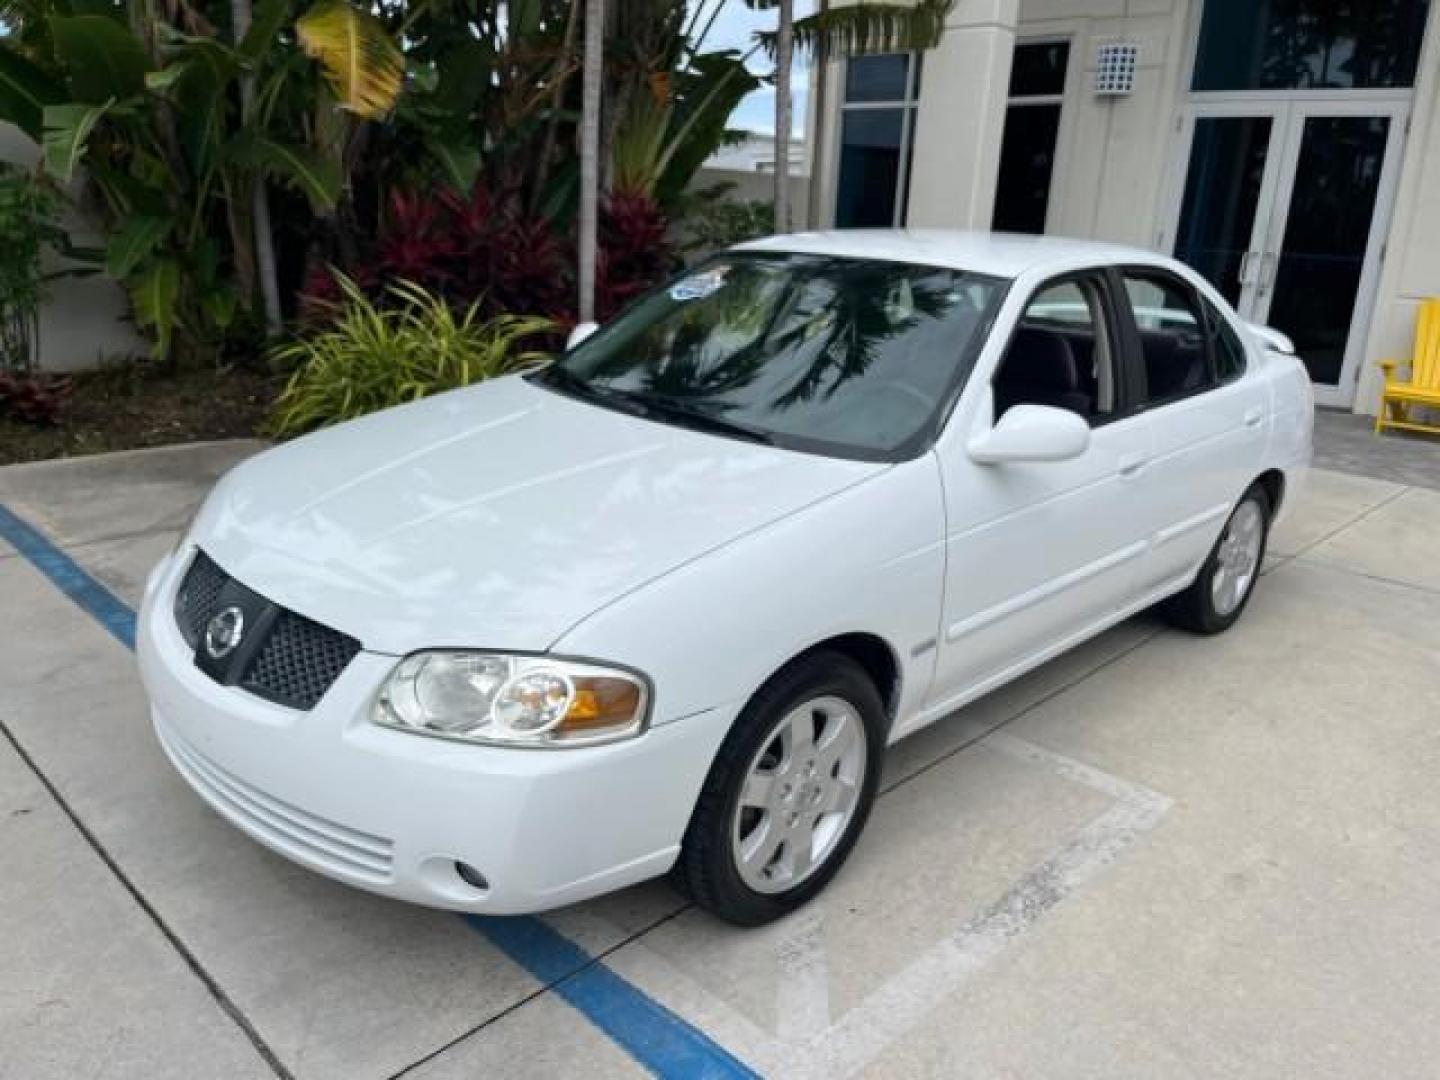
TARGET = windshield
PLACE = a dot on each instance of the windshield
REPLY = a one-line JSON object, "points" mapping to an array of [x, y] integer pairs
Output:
{"points": [[834, 355]]}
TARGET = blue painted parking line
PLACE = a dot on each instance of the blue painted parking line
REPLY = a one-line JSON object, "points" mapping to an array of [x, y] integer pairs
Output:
{"points": [[651, 1034], [104, 606], [654, 1036]]}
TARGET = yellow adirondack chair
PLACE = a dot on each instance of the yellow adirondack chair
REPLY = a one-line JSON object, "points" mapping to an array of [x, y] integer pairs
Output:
{"points": [[1423, 386]]}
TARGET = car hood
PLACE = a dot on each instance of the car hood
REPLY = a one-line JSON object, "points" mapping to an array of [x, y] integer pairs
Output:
{"points": [[497, 516]]}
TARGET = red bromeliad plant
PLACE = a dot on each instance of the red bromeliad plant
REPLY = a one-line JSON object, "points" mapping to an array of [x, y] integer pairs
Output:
{"points": [[635, 255], [419, 243], [34, 399], [509, 258], [488, 248]]}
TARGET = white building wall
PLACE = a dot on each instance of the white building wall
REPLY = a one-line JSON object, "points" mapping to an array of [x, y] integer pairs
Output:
{"points": [[957, 149], [1411, 271], [1112, 153], [86, 320]]}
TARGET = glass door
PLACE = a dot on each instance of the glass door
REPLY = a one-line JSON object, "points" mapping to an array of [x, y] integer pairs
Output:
{"points": [[1229, 184], [1321, 260], [1282, 206]]}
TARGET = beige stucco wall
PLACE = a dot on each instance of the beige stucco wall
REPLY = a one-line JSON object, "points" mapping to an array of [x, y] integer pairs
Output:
{"points": [[85, 320], [1117, 158], [1112, 153], [1411, 271]]}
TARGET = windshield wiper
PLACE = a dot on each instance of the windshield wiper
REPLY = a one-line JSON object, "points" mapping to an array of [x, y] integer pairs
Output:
{"points": [[689, 416], [567, 381], [650, 406]]}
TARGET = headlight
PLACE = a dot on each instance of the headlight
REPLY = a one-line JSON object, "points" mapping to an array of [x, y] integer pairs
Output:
{"points": [[512, 700]]}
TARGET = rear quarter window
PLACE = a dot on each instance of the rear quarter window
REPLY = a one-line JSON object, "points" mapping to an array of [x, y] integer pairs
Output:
{"points": [[1225, 345]]}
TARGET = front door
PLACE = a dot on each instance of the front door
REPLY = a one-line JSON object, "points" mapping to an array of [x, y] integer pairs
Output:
{"points": [[1041, 554], [1283, 207]]}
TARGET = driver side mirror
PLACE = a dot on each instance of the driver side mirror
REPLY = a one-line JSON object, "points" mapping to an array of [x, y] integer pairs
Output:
{"points": [[1031, 433], [580, 333]]}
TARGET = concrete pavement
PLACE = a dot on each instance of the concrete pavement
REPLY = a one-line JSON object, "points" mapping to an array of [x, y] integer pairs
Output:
{"points": [[1158, 855]]}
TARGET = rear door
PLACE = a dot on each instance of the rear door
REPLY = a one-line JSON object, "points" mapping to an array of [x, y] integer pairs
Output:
{"points": [[1207, 415], [1039, 555]]}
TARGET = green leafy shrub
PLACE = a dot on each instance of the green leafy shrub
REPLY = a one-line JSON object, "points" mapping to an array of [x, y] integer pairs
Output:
{"points": [[372, 356], [29, 224], [716, 222]]}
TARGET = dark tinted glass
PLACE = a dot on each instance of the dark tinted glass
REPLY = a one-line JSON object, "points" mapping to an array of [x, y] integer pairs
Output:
{"points": [[877, 78], [1060, 354], [1172, 336], [1225, 347], [1027, 158], [869, 167], [1222, 190], [1323, 254], [845, 355], [1308, 44], [1039, 68]]}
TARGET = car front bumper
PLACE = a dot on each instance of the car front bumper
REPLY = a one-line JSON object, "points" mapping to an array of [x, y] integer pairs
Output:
{"points": [[394, 813]]}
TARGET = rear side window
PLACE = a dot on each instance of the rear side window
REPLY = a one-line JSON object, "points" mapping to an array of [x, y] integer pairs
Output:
{"points": [[1173, 336], [1225, 346]]}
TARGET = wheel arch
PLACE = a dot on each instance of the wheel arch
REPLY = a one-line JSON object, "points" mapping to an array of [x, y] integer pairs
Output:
{"points": [[1272, 482], [873, 653]]}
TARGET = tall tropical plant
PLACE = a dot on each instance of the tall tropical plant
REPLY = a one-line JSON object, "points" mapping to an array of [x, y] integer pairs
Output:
{"points": [[671, 97], [848, 30], [143, 105]]}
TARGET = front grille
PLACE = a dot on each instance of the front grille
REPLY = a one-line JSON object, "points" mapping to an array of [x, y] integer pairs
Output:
{"points": [[198, 598], [298, 661], [294, 661], [296, 832]]}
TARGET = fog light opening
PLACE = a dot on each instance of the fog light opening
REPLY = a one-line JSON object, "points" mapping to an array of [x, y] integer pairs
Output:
{"points": [[471, 876]]}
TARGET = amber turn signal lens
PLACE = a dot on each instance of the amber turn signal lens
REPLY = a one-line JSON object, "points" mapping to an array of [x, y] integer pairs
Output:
{"points": [[601, 703]]}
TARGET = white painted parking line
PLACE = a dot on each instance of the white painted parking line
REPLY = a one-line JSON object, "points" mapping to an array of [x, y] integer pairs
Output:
{"points": [[806, 1042]]}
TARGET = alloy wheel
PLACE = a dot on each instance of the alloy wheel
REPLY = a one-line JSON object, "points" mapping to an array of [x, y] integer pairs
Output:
{"points": [[800, 794], [1238, 558]]}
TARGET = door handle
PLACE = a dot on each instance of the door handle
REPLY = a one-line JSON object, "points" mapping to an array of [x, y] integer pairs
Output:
{"points": [[1131, 464], [1253, 416]]}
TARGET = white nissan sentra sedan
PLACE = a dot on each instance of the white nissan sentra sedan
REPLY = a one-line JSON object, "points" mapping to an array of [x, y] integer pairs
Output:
{"points": [[661, 605]]}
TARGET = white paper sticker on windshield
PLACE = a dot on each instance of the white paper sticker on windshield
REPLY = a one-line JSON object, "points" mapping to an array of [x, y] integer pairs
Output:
{"points": [[698, 286]]}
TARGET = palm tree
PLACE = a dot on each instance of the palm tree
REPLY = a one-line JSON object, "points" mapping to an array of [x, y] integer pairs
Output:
{"points": [[850, 30], [784, 61], [590, 79], [241, 17]]}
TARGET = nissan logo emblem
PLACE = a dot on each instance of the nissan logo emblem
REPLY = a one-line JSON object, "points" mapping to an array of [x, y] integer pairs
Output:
{"points": [[223, 633]]}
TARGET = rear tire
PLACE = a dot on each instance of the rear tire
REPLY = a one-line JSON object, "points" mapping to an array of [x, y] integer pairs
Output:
{"points": [[1217, 597], [788, 792]]}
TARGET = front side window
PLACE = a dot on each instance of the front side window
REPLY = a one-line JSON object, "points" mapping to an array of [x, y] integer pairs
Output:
{"points": [[877, 130], [853, 357], [1061, 354], [1308, 44], [1172, 336]]}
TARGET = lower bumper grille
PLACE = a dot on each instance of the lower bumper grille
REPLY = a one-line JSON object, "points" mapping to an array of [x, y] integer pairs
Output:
{"points": [[289, 829]]}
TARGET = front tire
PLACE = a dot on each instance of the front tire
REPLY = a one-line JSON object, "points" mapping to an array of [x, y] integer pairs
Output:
{"points": [[788, 793], [1217, 597]]}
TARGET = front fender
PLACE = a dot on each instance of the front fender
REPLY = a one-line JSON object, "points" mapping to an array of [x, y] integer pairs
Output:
{"points": [[869, 559]]}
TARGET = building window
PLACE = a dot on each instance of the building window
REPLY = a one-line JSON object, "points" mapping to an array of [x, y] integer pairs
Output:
{"points": [[1032, 126], [1308, 44], [877, 130]]}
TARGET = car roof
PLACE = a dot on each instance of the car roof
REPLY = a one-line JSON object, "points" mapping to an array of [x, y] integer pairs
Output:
{"points": [[1001, 254]]}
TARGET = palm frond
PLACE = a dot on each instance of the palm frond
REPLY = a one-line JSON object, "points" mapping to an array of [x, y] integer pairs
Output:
{"points": [[865, 28], [363, 65]]}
